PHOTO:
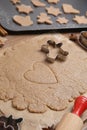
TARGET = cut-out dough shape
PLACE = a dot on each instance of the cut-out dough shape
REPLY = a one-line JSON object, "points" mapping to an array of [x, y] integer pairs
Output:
{"points": [[67, 8], [40, 74], [23, 20], [15, 1], [37, 3], [24, 8], [44, 18], [62, 20], [80, 19], [52, 10], [53, 1]]}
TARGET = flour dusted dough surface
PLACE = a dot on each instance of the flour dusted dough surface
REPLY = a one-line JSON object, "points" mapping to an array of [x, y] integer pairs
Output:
{"points": [[33, 85]]}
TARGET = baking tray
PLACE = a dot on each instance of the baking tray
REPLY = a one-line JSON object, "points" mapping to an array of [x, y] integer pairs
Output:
{"points": [[8, 10]]}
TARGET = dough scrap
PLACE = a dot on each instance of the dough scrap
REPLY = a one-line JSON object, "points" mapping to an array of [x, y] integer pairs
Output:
{"points": [[30, 90], [24, 8], [62, 20], [53, 1], [80, 19], [37, 3], [54, 11], [44, 18], [67, 8], [22, 20]]}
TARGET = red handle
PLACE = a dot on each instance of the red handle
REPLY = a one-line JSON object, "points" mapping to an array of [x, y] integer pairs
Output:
{"points": [[80, 105]]}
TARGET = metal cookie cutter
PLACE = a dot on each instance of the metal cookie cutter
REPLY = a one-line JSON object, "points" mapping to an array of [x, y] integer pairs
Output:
{"points": [[83, 39]]}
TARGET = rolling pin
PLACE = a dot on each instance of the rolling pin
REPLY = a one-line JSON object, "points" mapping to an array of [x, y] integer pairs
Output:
{"points": [[72, 121]]}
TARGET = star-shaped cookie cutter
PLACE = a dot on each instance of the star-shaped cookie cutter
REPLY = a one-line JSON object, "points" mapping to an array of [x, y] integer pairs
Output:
{"points": [[54, 51], [8, 123]]}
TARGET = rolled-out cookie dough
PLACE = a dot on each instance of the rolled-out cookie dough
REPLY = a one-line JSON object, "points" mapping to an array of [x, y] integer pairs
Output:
{"points": [[32, 83]]}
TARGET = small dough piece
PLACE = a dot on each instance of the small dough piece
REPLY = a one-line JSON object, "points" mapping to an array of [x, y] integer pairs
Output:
{"points": [[62, 20], [67, 8], [80, 19], [15, 1], [37, 3], [44, 18], [23, 20], [53, 1], [24, 8], [52, 10]]}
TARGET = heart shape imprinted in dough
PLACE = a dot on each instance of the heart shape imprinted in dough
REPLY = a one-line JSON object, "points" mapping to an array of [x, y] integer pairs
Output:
{"points": [[41, 74]]}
